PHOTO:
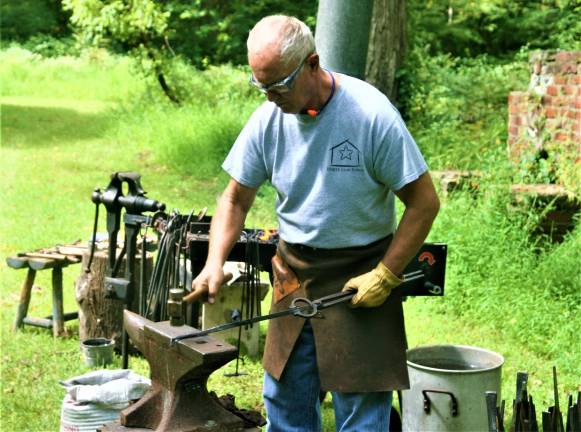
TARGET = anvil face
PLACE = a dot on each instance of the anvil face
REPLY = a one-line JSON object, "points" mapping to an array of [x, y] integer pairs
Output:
{"points": [[178, 399]]}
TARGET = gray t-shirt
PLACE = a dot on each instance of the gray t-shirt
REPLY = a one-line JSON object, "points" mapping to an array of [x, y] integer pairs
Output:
{"points": [[334, 173]]}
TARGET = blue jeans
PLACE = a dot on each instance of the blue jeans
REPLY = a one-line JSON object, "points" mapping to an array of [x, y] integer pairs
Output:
{"points": [[292, 404]]}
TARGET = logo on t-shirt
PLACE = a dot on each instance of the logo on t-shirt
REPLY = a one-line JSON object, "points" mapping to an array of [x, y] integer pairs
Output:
{"points": [[344, 155]]}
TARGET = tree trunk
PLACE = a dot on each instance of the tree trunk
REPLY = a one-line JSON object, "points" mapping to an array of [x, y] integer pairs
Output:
{"points": [[160, 76], [387, 44], [101, 317]]}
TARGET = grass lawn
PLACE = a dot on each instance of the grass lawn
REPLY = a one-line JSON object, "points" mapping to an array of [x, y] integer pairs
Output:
{"points": [[55, 151]]}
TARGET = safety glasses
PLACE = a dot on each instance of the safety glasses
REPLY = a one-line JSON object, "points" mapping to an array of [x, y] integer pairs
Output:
{"points": [[283, 86]]}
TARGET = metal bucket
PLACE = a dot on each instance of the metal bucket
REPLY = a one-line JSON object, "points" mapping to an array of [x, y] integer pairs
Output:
{"points": [[448, 385], [98, 352]]}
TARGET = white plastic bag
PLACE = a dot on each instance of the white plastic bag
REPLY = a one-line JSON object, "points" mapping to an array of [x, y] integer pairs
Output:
{"points": [[107, 387], [98, 397]]}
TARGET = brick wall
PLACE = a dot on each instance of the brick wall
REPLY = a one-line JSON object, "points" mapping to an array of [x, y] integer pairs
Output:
{"points": [[547, 117]]}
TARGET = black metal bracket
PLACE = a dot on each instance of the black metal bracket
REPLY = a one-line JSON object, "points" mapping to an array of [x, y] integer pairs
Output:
{"points": [[134, 203], [430, 260], [453, 403]]}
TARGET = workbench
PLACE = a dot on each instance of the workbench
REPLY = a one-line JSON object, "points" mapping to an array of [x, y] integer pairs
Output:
{"points": [[55, 259]]}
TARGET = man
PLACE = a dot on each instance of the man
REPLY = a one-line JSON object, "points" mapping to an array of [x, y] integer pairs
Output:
{"points": [[336, 151]]}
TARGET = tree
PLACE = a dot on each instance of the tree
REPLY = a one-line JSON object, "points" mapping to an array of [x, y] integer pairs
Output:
{"points": [[138, 26], [465, 28], [387, 45], [22, 19], [202, 31]]}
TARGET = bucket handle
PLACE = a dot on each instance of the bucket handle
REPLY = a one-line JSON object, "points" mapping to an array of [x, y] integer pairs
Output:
{"points": [[453, 405]]}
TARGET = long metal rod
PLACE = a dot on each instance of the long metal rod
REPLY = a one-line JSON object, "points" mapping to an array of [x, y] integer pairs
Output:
{"points": [[93, 239], [143, 269], [221, 327], [304, 308]]}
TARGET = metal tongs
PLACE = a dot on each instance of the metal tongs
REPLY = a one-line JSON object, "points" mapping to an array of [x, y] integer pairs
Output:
{"points": [[300, 307]]}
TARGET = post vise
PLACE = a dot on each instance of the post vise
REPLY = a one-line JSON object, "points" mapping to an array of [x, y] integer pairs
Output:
{"points": [[135, 204]]}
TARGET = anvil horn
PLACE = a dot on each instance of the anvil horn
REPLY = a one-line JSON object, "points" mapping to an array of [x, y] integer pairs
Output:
{"points": [[134, 325]]}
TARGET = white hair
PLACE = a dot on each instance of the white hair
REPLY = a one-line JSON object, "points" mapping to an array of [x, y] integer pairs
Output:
{"points": [[293, 37]]}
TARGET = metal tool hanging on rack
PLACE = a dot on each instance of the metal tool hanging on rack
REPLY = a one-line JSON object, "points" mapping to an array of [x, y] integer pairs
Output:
{"points": [[135, 204]]}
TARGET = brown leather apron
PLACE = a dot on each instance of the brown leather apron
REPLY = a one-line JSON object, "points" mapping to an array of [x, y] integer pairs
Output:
{"points": [[358, 350]]}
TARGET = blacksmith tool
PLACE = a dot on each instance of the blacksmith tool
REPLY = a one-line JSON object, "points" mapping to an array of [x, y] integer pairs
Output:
{"points": [[524, 417], [552, 419], [495, 420], [169, 271], [574, 414], [300, 307], [178, 399], [135, 204]]}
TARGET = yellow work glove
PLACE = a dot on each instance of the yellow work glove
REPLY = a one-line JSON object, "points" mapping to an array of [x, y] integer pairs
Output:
{"points": [[372, 287]]}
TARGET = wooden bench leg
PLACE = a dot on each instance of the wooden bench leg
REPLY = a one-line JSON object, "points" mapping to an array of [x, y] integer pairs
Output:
{"points": [[58, 324], [25, 293]]}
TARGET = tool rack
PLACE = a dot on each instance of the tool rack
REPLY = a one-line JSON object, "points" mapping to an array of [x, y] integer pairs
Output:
{"points": [[56, 259]]}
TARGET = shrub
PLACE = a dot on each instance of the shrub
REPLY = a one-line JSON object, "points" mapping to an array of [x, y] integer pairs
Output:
{"points": [[207, 32], [457, 108], [50, 46], [22, 19], [499, 273], [499, 27]]}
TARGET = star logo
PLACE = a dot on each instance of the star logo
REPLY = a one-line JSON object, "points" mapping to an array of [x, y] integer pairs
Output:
{"points": [[346, 152]]}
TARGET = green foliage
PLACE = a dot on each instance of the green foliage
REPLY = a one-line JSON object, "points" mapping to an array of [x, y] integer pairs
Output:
{"points": [[212, 32], [129, 24], [495, 27], [457, 108], [498, 272], [465, 59], [50, 46], [204, 32], [534, 169], [137, 27], [195, 137], [22, 19]]}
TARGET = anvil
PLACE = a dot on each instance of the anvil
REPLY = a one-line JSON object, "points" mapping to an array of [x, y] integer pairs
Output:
{"points": [[178, 400]]}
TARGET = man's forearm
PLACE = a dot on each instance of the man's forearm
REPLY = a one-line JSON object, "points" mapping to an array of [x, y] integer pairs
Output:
{"points": [[408, 238], [227, 224], [421, 207], [224, 232]]}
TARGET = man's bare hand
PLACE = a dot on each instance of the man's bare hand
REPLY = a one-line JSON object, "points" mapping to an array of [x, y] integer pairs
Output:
{"points": [[206, 285]]}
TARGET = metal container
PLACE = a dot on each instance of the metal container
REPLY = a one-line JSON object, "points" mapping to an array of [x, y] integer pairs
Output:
{"points": [[98, 352], [448, 385]]}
